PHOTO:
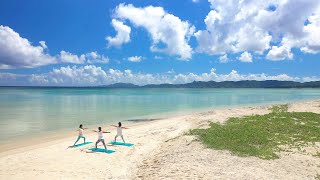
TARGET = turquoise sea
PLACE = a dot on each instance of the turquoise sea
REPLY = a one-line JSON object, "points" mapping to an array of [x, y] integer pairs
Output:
{"points": [[33, 111]]}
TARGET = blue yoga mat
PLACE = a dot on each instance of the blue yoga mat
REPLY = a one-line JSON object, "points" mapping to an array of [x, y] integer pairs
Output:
{"points": [[121, 144], [83, 144], [102, 150]]}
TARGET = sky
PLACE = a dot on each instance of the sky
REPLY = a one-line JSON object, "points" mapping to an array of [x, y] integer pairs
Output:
{"points": [[87, 43]]}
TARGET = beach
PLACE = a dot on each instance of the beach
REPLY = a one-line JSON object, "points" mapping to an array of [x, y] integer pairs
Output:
{"points": [[162, 150], [177, 90]]}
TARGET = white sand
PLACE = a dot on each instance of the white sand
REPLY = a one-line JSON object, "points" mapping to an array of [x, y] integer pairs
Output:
{"points": [[161, 151]]}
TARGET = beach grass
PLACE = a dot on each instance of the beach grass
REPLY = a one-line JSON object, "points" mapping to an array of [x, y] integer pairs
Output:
{"points": [[263, 135]]}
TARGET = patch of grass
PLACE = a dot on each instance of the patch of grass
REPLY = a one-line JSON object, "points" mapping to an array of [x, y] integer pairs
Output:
{"points": [[317, 155], [262, 135], [279, 108]]}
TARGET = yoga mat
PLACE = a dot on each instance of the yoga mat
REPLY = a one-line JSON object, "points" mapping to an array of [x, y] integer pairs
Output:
{"points": [[83, 144], [121, 144], [102, 150]]}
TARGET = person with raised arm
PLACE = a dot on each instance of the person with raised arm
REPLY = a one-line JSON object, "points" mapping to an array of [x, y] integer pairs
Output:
{"points": [[100, 137], [80, 136], [119, 132]]}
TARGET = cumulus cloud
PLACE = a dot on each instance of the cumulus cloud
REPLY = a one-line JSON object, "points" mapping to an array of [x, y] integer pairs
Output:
{"points": [[292, 28], [224, 58], [165, 29], [123, 34], [171, 71], [90, 58], [312, 78], [250, 39], [135, 58], [68, 76], [18, 52], [11, 79], [95, 58], [229, 29], [91, 75], [234, 26], [245, 57], [67, 57], [312, 39], [282, 20], [279, 53], [43, 44]]}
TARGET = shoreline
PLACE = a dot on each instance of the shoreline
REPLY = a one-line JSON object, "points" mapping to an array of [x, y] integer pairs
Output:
{"points": [[161, 150], [22, 143], [53, 137]]}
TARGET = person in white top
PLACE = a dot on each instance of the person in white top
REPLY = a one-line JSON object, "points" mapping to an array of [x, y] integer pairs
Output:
{"points": [[119, 131], [80, 136], [100, 137]]}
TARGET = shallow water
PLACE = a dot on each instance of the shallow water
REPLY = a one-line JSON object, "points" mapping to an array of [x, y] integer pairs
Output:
{"points": [[33, 111]]}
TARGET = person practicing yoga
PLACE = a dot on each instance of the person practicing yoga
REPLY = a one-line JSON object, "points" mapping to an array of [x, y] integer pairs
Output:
{"points": [[119, 132], [80, 136], [100, 137]]}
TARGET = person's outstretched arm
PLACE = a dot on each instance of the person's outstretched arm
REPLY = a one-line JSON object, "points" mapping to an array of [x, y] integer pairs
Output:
{"points": [[94, 130], [114, 125], [125, 128], [106, 132]]}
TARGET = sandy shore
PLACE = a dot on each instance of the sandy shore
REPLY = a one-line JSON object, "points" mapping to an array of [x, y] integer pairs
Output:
{"points": [[161, 151]]}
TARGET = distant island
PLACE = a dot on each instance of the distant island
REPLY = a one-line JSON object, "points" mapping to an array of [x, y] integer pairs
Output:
{"points": [[224, 84]]}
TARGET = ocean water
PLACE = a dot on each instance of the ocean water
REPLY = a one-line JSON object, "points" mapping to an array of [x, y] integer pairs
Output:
{"points": [[33, 111]]}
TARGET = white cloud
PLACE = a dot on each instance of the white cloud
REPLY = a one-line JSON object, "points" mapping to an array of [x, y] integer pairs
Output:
{"points": [[18, 52], [245, 57], [71, 76], [135, 58], [123, 34], [250, 39], [94, 57], [228, 29], [282, 20], [165, 29], [90, 58], [11, 79], [195, 1], [171, 71], [312, 40], [67, 57], [290, 28], [43, 44], [91, 75], [309, 79], [234, 26], [224, 58], [279, 53]]}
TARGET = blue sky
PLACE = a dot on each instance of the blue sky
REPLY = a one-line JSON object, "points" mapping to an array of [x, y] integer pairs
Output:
{"points": [[65, 42]]}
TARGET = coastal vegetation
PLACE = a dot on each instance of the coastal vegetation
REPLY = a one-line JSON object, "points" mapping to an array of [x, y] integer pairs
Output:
{"points": [[263, 136]]}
